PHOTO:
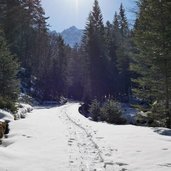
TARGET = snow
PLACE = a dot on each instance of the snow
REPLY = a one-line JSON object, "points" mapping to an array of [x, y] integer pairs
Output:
{"points": [[4, 115], [23, 109], [60, 139], [33, 143], [129, 113]]}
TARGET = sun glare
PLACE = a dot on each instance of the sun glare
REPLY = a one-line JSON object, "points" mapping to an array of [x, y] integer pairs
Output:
{"points": [[76, 4]]}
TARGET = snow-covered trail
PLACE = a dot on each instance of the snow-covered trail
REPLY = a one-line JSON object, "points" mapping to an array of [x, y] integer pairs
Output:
{"points": [[49, 140], [84, 153], [60, 139], [37, 143]]}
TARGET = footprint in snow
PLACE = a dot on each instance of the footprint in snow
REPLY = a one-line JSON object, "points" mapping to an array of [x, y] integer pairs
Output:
{"points": [[26, 136], [108, 154], [107, 164], [165, 165], [71, 161], [123, 169], [121, 164], [99, 138]]}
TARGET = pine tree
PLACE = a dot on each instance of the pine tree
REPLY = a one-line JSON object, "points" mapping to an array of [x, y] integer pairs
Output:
{"points": [[11, 23], [61, 63], [51, 82], [25, 28], [111, 49], [75, 67], [152, 60], [8, 77], [116, 29], [94, 48], [123, 46]]}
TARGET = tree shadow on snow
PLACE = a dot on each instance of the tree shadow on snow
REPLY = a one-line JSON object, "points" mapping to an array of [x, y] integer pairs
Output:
{"points": [[165, 165], [46, 106], [162, 131]]}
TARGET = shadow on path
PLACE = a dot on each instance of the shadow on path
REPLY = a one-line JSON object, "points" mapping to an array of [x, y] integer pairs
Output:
{"points": [[162, 131]]}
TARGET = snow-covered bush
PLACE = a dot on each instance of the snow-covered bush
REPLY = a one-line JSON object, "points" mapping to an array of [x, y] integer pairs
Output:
{"points": [[25, 98], [95, 110], [23, 109], [111, 112]]}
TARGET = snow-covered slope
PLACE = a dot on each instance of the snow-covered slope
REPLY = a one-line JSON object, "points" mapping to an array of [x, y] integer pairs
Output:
{"points": [[60, 139]]}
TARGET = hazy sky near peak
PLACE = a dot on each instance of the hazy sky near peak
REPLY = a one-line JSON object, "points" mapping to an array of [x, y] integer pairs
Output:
{"points": [[66, 13]]}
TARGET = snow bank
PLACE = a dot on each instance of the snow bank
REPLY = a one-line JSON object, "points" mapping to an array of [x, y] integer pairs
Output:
{"points": [[23, 109], [60, 139], [37, 143], [6, 116]]}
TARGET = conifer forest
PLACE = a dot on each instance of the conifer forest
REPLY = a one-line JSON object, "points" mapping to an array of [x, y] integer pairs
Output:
{"points": [[113, 60], [103, 104]]}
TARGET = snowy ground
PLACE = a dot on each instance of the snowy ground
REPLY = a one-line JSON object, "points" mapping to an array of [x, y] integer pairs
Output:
{"points": [[60, 139]]}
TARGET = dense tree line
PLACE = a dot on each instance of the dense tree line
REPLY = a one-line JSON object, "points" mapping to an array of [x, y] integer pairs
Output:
{"points": [[50, 69], [104, 57], [41, 55], [25, 29]]}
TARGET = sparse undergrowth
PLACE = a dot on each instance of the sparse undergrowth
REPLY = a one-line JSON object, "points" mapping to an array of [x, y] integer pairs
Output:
{"points": [[109, 111], [94, 110]]}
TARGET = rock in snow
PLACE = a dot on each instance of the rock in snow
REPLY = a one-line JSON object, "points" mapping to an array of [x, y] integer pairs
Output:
{"points": [[60, 139]]}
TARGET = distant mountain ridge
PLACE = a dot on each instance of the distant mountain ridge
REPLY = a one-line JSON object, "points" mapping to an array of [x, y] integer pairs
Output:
{"points": [[72, 36]]}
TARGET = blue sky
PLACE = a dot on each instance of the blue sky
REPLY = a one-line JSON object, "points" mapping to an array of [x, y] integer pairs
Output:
{"points": [[66, 13]]}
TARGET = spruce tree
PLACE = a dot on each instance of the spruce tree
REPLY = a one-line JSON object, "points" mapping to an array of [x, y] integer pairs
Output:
{"points": [[9, 84], [51, 82], [152, 60], [75, 68], [111, 52], [123, 46], [95, 57]]}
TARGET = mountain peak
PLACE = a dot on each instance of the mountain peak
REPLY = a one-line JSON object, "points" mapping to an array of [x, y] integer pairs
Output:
{"points": [[73, 28], [72, 36]]}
